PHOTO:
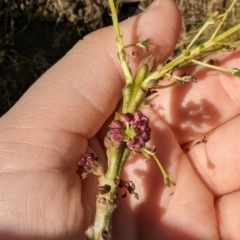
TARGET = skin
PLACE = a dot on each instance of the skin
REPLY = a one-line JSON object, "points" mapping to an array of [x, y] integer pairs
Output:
{"points": [[61, 117]]}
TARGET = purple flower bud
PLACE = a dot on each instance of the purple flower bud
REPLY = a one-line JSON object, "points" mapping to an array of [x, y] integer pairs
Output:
{"points": [[90, 158], [137, 131], [141, 141], [145, 136], [114, 130], [117, 137], [144, 126], [126, 117], [116, 134], [88, 155], [144, 119], [81, 163], [86, 158], [136, 124], [116, 124], [130, 126], [131, 144], [137, 116], [136, 143]]}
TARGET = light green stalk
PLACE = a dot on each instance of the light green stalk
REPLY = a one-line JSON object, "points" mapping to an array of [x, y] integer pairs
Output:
{"points": [[121, 53], [187, 56]]}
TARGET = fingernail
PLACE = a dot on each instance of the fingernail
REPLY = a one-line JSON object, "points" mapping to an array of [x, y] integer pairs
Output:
{"points": [[152, 5]]}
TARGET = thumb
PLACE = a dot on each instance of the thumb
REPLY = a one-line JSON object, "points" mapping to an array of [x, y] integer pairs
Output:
{"points": [[72, 100]]}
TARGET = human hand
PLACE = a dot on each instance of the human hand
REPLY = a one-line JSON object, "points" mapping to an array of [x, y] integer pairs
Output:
{"points": [[45, 133]]}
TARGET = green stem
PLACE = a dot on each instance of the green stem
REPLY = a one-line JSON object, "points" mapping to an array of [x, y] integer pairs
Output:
{"points": [[160, 166], [188, 58], [125, 155], [121, 53], [223, 19], [206, 24], [166, 178], [165, 86], [100, 230], [226, 33], [107, 202], [222, 69]]}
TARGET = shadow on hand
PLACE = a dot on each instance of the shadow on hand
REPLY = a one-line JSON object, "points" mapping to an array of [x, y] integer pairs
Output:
{"points": [[144, 219], [191, 119]]}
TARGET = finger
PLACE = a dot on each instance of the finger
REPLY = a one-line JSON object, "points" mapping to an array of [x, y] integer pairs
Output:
{"points": [[217, 161], [78, 93], [196, 108], [32, 204], [228, 213]]}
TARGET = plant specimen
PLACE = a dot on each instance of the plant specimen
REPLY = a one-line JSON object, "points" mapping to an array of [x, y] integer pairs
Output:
{"points": [[129, 131]]}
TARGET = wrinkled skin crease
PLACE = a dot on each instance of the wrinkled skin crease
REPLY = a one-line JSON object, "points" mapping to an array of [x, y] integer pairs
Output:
{"points": [[44, 134]]}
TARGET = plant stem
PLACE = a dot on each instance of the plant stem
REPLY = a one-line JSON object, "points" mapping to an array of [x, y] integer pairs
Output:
{"points": [[107, 202], [222, 69], [121, 53], [224, 18], [186, 58]]}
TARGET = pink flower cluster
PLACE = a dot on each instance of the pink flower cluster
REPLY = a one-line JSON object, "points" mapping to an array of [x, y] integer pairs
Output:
{"points": [[132, 129], [87, 161]]}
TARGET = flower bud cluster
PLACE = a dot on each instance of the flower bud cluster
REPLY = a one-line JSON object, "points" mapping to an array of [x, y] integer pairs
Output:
{"points": [[87, 160], [90, 164], [132, 129]]}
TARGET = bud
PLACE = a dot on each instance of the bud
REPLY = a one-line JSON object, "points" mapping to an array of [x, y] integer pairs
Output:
{"points": [[116, 124], [149, 61], [137, 116], [235, 72], [130, 128], [126, 117], [87, 158]]}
